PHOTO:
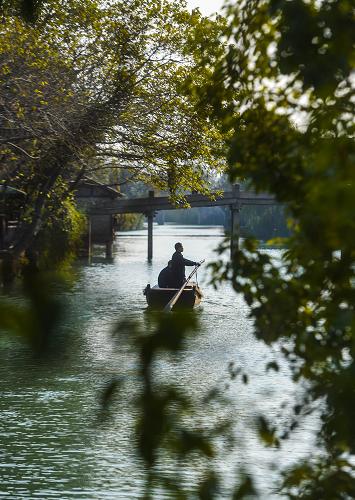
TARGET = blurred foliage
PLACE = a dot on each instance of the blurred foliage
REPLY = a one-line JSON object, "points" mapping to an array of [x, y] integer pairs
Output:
{"points": [[128, 222], [200, 216], [284, 96], [284, 90], [260, 222], [188, 430], [38, 319], [60, 238], [264, 223]]}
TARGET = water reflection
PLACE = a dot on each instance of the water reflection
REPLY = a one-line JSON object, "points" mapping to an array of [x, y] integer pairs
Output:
{"points": [[51, 443]]}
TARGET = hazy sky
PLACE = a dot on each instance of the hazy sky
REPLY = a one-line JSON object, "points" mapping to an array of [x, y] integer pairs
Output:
{"points": [[206, 6]]}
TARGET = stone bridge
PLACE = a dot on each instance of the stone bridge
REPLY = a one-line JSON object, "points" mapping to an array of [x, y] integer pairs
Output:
{"points": [[101, 203]]}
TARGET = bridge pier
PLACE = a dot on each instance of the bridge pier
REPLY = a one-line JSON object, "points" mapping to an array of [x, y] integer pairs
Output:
{"points": [[235, 221], [150, 217], [235, 229]]}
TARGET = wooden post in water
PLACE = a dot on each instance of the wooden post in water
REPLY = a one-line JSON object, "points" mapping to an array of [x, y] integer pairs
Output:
{"points": [[150, 216], [109, 249], [235, 220], [109, 242], [86, 244]]}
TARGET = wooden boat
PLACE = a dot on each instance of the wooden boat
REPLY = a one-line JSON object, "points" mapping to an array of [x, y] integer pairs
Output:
{"points": [[158, 298]]}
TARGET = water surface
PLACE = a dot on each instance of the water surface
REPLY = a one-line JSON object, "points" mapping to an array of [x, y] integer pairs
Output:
{"points": [[51, 445]]}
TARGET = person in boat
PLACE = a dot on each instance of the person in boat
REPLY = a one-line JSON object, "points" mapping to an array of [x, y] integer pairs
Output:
{"points": [[178, 263], [165, 278]]}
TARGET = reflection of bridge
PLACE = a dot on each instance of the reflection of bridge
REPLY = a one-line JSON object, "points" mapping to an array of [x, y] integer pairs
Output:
{"points": [[104, 207]]}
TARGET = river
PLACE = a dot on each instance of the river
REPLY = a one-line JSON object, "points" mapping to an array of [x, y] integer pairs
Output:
{"points": [[51, 443]]}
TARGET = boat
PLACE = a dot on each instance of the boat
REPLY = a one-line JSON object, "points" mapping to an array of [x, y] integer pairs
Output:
{"points": [[158, 298]]}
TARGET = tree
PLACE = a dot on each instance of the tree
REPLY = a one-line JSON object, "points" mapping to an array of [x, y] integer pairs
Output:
{"points": [[284, 90], [26, 9], [103, 88]]}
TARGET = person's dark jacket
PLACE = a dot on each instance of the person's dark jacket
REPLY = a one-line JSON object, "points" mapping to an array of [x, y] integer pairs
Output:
{"points": [[165, 278], [178, 263]]}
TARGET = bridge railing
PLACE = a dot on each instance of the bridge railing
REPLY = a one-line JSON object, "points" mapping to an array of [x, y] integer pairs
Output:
{"points": [[235, 199], [157, 203]]}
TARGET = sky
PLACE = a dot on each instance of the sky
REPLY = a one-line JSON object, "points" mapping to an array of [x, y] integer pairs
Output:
{"points": [[207, 7]]}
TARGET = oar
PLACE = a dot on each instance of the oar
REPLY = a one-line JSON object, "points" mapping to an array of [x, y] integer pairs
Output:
{"points": [[173, 300]]}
